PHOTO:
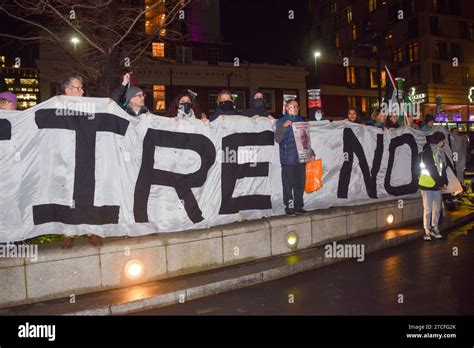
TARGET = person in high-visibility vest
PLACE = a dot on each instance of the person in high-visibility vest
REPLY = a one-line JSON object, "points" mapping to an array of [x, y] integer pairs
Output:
{"points": [[431, 180]]}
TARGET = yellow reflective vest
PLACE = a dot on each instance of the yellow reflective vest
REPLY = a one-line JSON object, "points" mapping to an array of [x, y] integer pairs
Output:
{"points": [[425, 179]]}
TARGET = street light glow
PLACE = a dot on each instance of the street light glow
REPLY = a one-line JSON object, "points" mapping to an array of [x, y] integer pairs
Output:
{"points": [[134, 269], [317, 54], [75, 40], [292, 240]]}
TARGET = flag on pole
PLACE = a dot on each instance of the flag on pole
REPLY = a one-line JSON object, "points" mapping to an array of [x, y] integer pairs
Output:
{"points": [[391, 93]]}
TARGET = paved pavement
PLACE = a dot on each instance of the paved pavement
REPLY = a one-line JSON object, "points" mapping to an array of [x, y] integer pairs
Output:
{"points": [[426, 276]]}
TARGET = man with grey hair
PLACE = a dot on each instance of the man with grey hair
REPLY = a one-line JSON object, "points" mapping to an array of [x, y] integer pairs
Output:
{"points": [[72, 86]]}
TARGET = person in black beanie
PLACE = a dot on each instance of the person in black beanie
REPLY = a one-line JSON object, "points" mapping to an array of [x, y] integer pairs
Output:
{"points": [[256, 106]]}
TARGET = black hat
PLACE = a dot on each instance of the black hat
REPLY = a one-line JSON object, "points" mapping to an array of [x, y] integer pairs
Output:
{"points": [[436, 138]]}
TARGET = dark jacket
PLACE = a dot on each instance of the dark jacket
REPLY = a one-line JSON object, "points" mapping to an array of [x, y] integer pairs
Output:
{"points": [[286, 139], [253, 109], [219, 112], [117, 95], [428, 160]]}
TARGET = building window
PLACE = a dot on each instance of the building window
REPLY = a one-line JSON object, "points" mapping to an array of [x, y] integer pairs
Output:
{"points": [[441, 50], [324, 10], [348, 15], [333, 6], [434, 25], [416, 74], [388, 39], [413, 28], [154, 16], [352, 101], [213, 56], [372, 5], [158, 49], [436, 73], [412, 52], [463, 32], [351, 78], [336, 41], [212, 100], [184, 55], [465, 77], [456, 50], [354, 32], [363, 104], [393, 13], [338, 21], [408, 7], [159, 97], [373, 78], [397, 55], [239, 101], [269, 96]]}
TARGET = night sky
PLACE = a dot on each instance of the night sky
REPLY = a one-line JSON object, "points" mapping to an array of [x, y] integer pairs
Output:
{"points": [[260, 30]]}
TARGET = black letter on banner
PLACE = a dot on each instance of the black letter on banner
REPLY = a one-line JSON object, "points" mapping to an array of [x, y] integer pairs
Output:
{"points": [[351, 146], [5, 129], [231, 172], [412, 187], [84, 211], [182, 183]]}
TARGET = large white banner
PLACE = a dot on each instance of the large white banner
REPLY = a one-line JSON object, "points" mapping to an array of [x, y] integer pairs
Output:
{"points": [[82, 165]]}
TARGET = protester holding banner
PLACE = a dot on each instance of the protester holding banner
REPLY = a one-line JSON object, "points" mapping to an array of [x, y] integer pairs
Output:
{"points": [[134, 103], [225, 105], [72, 86], [392, 121], [257, 106], [411, 122], [428, 123], [377, 119], [8, 101], [185, 106], [432, 179], [293, 172], [352, 115]]}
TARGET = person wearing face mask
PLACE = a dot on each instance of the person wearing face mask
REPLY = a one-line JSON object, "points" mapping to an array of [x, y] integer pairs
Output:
{"points": [[293, 173], [431, 180], [257, 106], [184, 106], [225, 105]]}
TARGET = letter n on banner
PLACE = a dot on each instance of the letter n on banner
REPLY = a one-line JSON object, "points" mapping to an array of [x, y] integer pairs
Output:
{"points": [[352, 146]]}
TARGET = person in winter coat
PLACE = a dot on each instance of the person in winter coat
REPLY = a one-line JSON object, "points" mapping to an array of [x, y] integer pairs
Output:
{"points": [[134, 98], [257, 106], [293, 173], [185, 106], [431, 180], [225, 105], [377, 119]]}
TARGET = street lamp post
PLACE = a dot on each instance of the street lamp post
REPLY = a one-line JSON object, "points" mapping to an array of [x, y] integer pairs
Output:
{"points": [[317, 55]]}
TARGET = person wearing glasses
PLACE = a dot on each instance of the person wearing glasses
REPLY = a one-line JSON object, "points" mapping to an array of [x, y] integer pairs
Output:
{"points": [[72, 86], [134, 98]]}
